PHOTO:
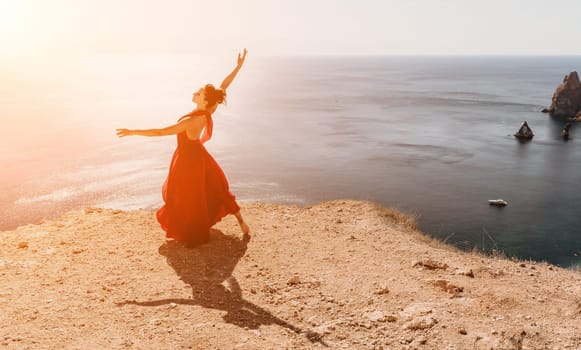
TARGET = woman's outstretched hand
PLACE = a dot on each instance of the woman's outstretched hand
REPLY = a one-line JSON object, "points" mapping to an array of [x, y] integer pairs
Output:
{"points": [[242, 57], [228, 80], [123, 132]]}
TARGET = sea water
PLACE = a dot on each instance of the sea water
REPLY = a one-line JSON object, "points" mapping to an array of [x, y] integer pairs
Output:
{"points": [[431, 136]]}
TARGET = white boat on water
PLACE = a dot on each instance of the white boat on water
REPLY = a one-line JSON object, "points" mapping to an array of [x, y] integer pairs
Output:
{"points": [[498, 202]]}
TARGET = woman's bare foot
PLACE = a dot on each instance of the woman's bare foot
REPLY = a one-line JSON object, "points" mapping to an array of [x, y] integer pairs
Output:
{"points": [[245, 229], [243, 226]]}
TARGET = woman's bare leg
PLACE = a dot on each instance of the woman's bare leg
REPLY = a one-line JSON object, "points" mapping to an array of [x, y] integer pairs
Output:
{"points": [[243, 226]]}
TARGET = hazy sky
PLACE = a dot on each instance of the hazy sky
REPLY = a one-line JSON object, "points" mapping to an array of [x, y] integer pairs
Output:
{"points": [[301, 27]]}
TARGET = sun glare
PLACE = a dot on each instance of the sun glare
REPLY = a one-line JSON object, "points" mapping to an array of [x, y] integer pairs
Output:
{"points": [[17, 25], [33, 28], [11, 14]]}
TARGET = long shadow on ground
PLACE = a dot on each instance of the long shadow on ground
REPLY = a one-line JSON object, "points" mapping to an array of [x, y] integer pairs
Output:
{"points": [[205, 268]]}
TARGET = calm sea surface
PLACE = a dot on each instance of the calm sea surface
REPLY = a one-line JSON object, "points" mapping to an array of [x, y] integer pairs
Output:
{"points": [[428, 135]]}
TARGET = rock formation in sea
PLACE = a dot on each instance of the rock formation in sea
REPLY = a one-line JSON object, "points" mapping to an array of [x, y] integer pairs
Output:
{"points": [[567, 98], [524, 132]]}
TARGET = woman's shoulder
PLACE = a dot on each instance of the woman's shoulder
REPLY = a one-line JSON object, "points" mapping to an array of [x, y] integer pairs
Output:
{"points": [[200, 112], [195, 115]]}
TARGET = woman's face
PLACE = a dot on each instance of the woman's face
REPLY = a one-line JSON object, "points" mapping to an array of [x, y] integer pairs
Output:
{"points": [[199, 98]]}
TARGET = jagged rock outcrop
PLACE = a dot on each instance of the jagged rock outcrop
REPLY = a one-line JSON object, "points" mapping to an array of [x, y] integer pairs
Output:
{"points": [[567, 98], [524, 132], [565, 132]]}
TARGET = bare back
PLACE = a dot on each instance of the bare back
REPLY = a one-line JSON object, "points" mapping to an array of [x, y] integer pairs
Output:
{"points": [[195, 125]]}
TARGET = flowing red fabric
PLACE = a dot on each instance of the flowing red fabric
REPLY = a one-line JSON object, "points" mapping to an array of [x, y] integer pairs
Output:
{"points": [[207, 133], [196, 192]]}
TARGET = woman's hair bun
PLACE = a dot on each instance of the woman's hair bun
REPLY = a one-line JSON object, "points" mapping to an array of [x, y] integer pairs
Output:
{"points": [[214, 96]]}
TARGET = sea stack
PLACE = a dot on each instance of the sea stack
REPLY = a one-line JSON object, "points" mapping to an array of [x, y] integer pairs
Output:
{"points": [[567, 98], [524, 132], [565, 132]]}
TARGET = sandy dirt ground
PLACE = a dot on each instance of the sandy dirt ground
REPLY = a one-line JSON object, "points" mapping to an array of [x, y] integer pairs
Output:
{"points": [[337, 275]]}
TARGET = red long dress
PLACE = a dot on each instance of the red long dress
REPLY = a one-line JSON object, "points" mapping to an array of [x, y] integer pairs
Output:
{"points": [[196, 191]]}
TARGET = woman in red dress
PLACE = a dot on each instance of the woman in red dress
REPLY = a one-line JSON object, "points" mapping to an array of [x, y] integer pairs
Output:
{"points": [[196, 192]]}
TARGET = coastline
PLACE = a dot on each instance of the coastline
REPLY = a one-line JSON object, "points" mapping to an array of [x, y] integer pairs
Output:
{"points": [[354, 142], [345, 274]]}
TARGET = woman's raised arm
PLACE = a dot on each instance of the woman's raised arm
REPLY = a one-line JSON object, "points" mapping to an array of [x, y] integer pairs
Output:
{"points": [[228, 80]]}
